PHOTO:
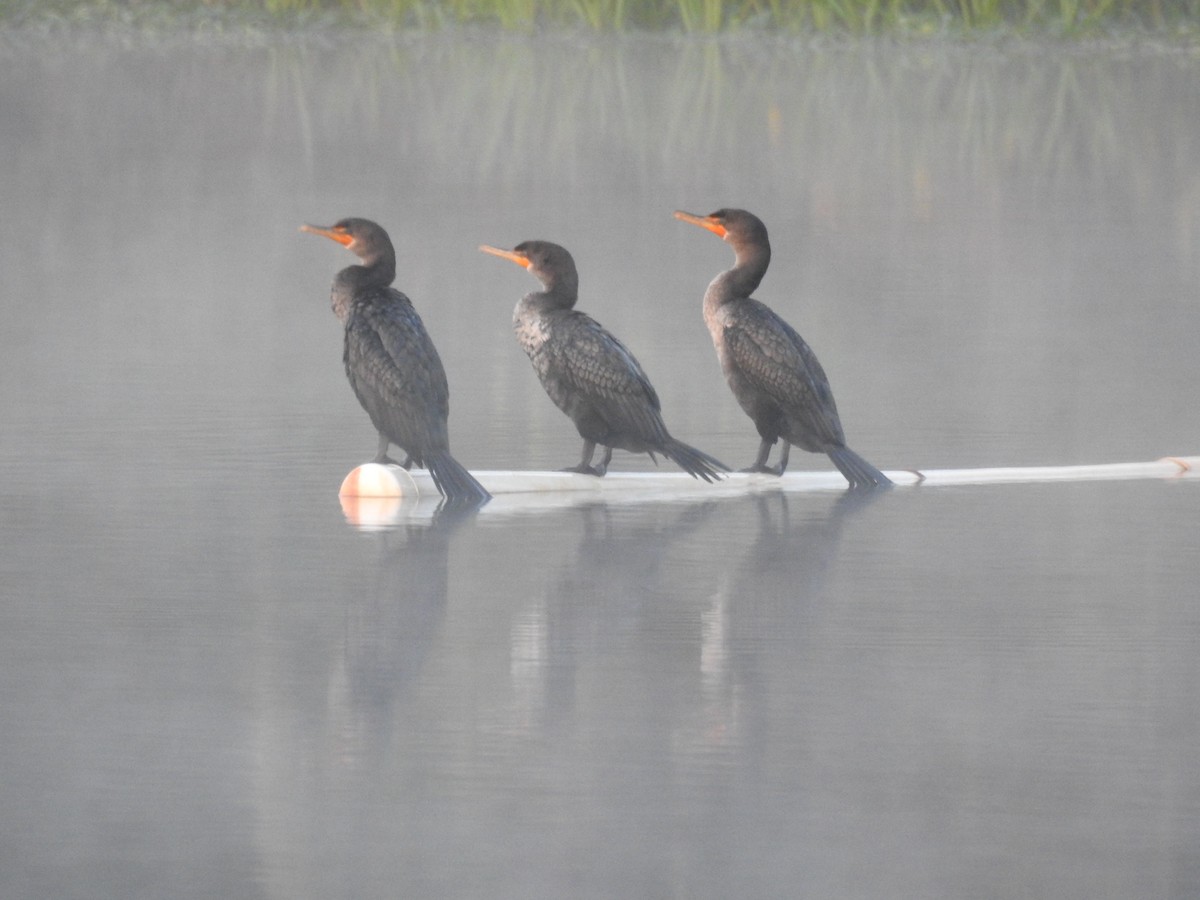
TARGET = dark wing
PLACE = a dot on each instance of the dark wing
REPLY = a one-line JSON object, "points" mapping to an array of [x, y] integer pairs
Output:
{"points": [[396, 372], [600, 371], [772, 357]]}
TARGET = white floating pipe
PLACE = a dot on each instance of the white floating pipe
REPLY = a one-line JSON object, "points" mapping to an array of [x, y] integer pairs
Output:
{"points": [[375, 493], [1167, 467]]}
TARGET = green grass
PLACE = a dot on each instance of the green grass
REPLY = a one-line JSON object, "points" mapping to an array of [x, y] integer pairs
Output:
{"points": [[1067, 17]]}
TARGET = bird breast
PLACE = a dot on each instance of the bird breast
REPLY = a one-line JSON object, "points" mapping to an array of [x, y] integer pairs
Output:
{"points": [[530, 328]]}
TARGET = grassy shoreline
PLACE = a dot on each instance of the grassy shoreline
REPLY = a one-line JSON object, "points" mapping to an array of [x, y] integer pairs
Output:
{"points": [[1050, 18]]}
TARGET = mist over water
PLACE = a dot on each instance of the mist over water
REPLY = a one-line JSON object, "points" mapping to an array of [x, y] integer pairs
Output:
{"points": [[212, 686]]}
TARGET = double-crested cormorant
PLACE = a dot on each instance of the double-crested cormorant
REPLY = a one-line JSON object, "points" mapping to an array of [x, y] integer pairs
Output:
{"points": [[392, 365], [587, 372], [771, 370]]}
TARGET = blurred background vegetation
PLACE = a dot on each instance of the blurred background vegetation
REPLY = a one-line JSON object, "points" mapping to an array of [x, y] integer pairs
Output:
{"points": [[910, 17]]}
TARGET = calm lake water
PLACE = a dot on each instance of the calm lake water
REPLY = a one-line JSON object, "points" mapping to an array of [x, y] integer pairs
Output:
{"points": [[212, 686]]}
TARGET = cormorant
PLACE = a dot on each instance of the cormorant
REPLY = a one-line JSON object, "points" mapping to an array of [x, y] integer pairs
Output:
{"points": [[392, 365], [772, 372], [587, 372]]}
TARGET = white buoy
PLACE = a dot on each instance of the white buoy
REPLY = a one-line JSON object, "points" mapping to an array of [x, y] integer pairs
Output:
{"points": [[372, 495], [375, 480]]}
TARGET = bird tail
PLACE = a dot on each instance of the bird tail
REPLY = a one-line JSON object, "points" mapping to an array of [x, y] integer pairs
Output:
{"points": [[457, 485], [859, 472], [695, 462]]}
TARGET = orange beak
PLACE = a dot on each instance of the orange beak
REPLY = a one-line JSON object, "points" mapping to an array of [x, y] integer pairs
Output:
{"points": [[334, 234], [707, 222], [518, 258]]}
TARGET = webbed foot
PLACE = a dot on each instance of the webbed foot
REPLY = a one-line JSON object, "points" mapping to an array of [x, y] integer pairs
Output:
{"points": [[764, 470], [582, 469]]}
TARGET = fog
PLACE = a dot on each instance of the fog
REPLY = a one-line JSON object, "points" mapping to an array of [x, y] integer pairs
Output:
{"points": [[211, 685]]}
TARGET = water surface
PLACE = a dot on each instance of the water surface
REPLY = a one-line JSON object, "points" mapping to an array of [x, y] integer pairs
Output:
{"points": [[212, 686]]}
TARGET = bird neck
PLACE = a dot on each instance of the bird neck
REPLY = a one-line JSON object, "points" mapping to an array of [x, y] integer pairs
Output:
{"points": [[378, 272], [561, 293], [353, 280], [741, 281]]}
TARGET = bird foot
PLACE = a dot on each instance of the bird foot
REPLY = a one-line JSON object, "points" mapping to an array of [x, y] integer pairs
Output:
{"points": [[384, 460], [764, 470], [586, 470]]}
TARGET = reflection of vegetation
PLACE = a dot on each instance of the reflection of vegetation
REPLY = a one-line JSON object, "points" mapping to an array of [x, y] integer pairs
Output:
{"points": [[862, 125], [1044, 119], [708, 16]]}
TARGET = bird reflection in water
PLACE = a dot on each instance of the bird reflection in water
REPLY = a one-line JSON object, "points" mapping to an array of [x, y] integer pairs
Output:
{"points": [[613, 593], [661, 645], [389, 631], [787, 562]]}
